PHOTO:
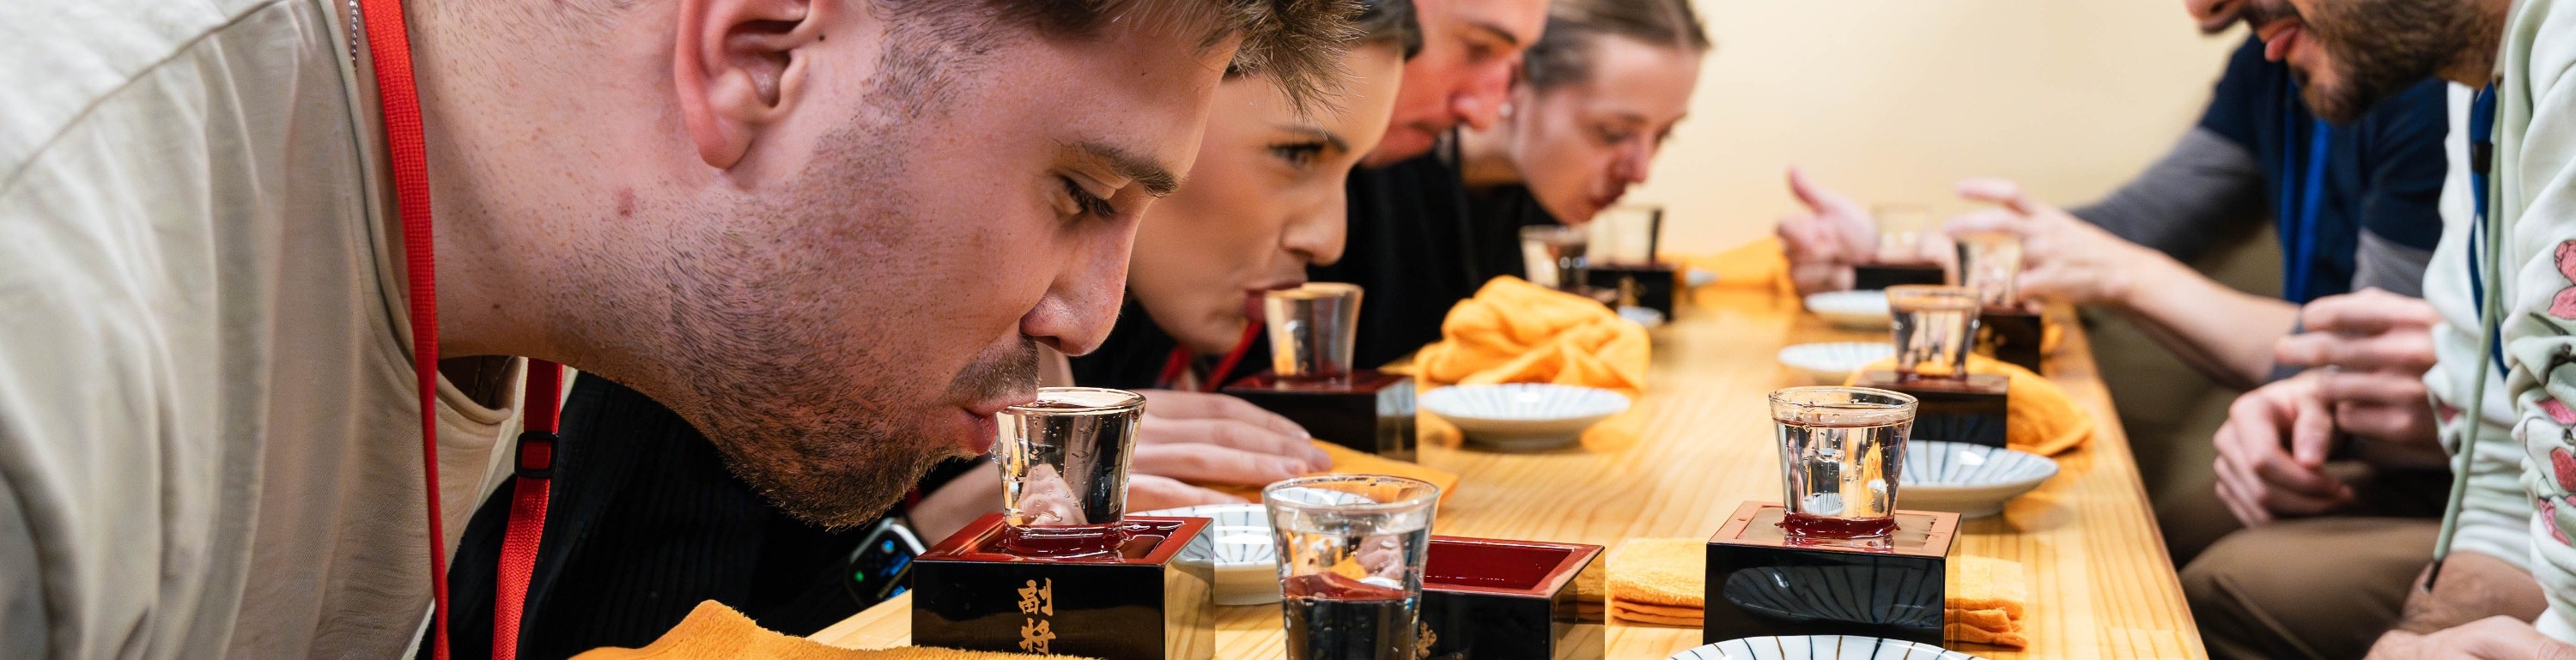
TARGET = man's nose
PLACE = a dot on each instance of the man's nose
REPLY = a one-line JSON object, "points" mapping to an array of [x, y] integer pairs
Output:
{"points": [[2209, 11], [1635, 160], [1480, 102], [1078, 311], [1320, 235]]}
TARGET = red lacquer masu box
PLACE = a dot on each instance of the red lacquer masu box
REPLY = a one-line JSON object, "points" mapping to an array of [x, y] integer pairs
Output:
{"points": [[1149, 600], [1507, 600]]}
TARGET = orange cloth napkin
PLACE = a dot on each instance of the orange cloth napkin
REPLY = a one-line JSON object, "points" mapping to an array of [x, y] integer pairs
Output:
{"points": [[714, 631], [2040, 419], [1352, 461], [1986, 602], [1757, 265], [1517, 332], [1659, 581]]}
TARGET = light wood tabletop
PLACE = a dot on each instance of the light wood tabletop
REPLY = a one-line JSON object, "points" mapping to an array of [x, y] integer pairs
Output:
{"points": [[1700, 442]]}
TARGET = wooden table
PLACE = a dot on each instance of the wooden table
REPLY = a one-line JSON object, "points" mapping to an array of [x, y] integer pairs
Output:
{"points": [[1699, 443]]}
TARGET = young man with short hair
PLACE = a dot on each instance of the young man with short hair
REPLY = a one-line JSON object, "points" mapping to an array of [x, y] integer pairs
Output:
{"points": [[831, 233]]}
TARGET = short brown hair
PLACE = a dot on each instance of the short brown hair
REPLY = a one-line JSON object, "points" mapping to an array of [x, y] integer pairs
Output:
{"points": [[1297, 43], [1563, 53]]}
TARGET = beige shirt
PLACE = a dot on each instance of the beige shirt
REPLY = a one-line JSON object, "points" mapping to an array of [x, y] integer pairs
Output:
{"points": [[209, 437]]}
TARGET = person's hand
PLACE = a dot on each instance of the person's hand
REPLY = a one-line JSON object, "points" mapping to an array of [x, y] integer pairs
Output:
{"points": [[2491, 638], [1825, 242], [2063, 257], [2258, 479], [2373, 348], [1212, 439]]}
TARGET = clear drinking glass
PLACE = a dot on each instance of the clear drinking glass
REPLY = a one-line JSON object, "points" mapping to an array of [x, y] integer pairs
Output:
{"points": [[1935, 327], [1625, 235], [1989, 262], [1313, 329], [1064, 469], [1554, 255], [1840, 452], [1351, 548], [1903, 231]]}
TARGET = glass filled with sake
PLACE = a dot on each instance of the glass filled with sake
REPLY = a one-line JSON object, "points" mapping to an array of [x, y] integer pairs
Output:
{"points": [[1841, 450]]}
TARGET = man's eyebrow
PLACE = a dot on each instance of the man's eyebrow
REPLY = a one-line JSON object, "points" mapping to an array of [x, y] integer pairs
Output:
{"points": [[1318, 133], [1498, 32], [1157, 180]]}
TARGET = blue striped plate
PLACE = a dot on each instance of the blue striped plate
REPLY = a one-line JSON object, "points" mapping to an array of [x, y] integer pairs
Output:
{"points": [[1831, 363], [1853, 310], [1974, 480], [1523, 415], [1247, 565], [1819, 647]]}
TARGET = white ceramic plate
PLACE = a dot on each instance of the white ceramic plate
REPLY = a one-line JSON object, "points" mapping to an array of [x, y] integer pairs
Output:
{"points": [[1974, 480], [1853, 310], [1819, 647], [1645, 316], [1833, 362], [1247, 565], [1523, 415]]}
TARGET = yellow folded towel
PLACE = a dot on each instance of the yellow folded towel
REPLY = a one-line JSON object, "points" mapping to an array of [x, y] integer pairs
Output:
{"points": [[1759, 265], [1352, 461], [2041, 419], [1517, 332], [715, 631], [1986, 602], [1659, 581]]}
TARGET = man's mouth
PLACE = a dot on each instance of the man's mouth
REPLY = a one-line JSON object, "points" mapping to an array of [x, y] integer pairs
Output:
{"points": [[2279, 37], [1600, 202], [987, 416], [1252, 296]]}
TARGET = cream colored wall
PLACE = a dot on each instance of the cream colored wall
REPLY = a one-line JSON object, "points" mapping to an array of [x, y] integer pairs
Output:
{"points": [[1895, 100]]}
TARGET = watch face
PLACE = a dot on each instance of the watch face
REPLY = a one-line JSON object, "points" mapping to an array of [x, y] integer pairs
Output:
{"points": [[878, 568]]}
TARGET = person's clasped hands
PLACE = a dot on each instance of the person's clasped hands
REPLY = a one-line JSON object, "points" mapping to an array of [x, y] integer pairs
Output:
{"points": [[1191, 437], [2366, 354]]}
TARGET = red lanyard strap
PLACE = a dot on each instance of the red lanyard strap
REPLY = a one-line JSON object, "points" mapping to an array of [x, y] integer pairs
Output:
{"points": [[389, 45], [529, 494]]}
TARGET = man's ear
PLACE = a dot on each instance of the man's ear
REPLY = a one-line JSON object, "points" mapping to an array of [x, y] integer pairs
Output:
{"points": [[740, 65]]}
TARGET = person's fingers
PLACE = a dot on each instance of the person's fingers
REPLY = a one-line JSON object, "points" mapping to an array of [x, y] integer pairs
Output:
{"points": [[2239, 505], [1986, 220], [2404, 351], [2233, 474], [2368, 311], [2311, 431], [1234, 434], [2223, 443], [1147, 492], [2400, 424], [1208, 463], [1807, 239], [1812, 194], [2258, 419], [2280, 502], [2001, 192], [1236, 408], [2372, 387], [2279, 474]]}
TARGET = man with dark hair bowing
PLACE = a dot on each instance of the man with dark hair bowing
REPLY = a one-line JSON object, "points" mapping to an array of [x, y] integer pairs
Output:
{"points": [[831, 233]]}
